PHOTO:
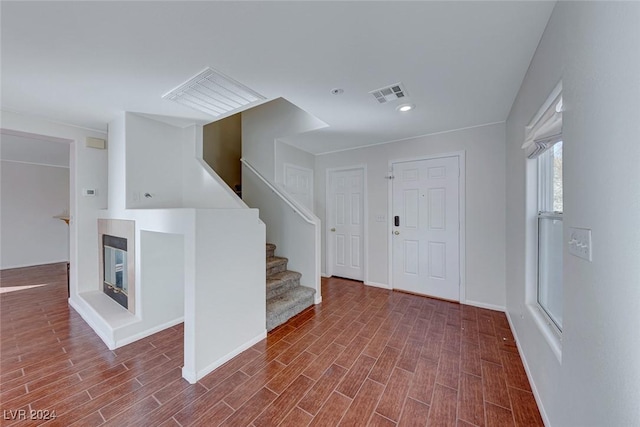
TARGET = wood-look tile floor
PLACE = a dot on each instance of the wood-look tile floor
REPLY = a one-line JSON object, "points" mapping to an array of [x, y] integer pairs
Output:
{"points": [[365, 356]]}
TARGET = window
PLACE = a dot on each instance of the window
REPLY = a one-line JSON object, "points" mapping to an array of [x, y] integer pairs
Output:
{"points": [[549, 292], [544, 145]]}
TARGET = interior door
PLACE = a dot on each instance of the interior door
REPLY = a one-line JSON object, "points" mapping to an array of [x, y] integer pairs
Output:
{"points": [[298, 182], [345, 205], [425, 227]]}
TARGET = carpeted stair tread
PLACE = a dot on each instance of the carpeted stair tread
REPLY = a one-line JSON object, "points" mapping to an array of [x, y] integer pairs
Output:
{"points": [[276, 264], [281, 282], [271, 250], [286, 305]]}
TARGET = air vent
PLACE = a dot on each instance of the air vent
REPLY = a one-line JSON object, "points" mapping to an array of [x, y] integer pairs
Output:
{"points": [[389, 93], [213, 93]]}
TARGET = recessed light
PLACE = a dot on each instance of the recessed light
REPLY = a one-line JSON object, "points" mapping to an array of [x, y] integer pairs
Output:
{"points": [[337, 91], [405, 107]]}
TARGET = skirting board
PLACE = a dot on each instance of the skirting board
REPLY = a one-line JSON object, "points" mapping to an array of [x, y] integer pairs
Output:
{"points": [[325, 275], [377, 285], [151, 331], [534, 389], [110, 343], [11, 267], [193, 377], [484, 305]]}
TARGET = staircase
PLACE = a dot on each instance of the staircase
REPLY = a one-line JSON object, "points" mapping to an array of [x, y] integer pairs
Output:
{"points": [[285, 296]]}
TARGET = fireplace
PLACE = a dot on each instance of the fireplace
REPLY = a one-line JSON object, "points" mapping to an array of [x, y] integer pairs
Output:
{"points": [[117, 261], [115, 283]]}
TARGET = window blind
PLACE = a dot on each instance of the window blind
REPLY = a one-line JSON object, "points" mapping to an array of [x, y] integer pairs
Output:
{"points": [[546, 128]]}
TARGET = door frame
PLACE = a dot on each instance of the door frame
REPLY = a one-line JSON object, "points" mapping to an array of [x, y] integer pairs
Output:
{"points": [[365, 219], [461, 213]]}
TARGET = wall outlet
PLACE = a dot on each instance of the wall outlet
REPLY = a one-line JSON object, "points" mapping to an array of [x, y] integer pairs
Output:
{"points": [[580, 243], [89, 192]]}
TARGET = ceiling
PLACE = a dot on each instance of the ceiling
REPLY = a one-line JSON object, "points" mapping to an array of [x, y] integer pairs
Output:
{"points": [[462, 63]]}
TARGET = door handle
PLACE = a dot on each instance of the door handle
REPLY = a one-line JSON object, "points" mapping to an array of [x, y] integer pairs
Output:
{"points": [[396, 232], [333, 229], [396, 221]]}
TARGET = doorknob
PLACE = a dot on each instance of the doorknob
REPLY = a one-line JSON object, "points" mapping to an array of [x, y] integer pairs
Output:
{"points": [[333, 229], [396, 232]]}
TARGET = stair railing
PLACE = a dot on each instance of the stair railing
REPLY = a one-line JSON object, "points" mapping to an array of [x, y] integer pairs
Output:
{"points": [[301, 210], [309, 268]]}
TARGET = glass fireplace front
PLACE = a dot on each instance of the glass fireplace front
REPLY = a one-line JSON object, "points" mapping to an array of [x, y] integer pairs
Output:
{"points": [[115, 268]]}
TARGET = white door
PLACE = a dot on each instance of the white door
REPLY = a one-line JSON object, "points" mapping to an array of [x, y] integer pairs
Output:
{"points": [[298, 182], [345, 222], [425, 227]]}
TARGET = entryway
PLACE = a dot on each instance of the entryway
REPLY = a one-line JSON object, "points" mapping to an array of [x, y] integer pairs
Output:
{"points": [[425, 229]]}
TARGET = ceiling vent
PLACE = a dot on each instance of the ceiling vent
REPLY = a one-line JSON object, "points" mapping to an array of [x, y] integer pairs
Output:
{"points": [[213, 93], [389, 93]]}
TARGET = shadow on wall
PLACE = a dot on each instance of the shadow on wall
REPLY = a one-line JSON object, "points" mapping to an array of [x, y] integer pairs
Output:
{"points": [[222, 149]]}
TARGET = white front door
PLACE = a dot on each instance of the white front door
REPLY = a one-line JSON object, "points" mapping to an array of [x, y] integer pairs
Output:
{"points": [[298, 182], [425, 227], [345, 222]]}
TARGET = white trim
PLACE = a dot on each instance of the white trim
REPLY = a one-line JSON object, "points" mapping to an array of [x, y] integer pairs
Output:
{"points": [[408, 138], [365, 220], [485, 305], [47, 119], [534, 389], [462, 239], [35, 164], [34, 265], [325, 275], [547, 328], [110, 343], [377, 285], [193, 377], [148, 332]]}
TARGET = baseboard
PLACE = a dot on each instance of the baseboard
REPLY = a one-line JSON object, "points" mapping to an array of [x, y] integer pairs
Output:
{"points": [[377, 285], [110, 343], [325, 275], [189, 376], [151, 331], [11, 267], [193, 377], [485, 305], [534, 389], [318, 299]]}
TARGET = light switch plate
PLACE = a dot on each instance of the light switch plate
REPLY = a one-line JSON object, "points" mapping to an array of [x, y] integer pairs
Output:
{"points": [[580, 243]]}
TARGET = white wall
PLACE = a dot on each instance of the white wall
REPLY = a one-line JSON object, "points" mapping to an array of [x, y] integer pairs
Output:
{"points": [[88, 168], [32, 195], [295, 237], [288, 154], [593, 47], [225, 304], [261, 126], [153, 163], [484, 147], [165, 161]]}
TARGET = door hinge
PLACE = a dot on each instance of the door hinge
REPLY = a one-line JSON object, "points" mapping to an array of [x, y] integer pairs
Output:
{"points": [[389, 177]]}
